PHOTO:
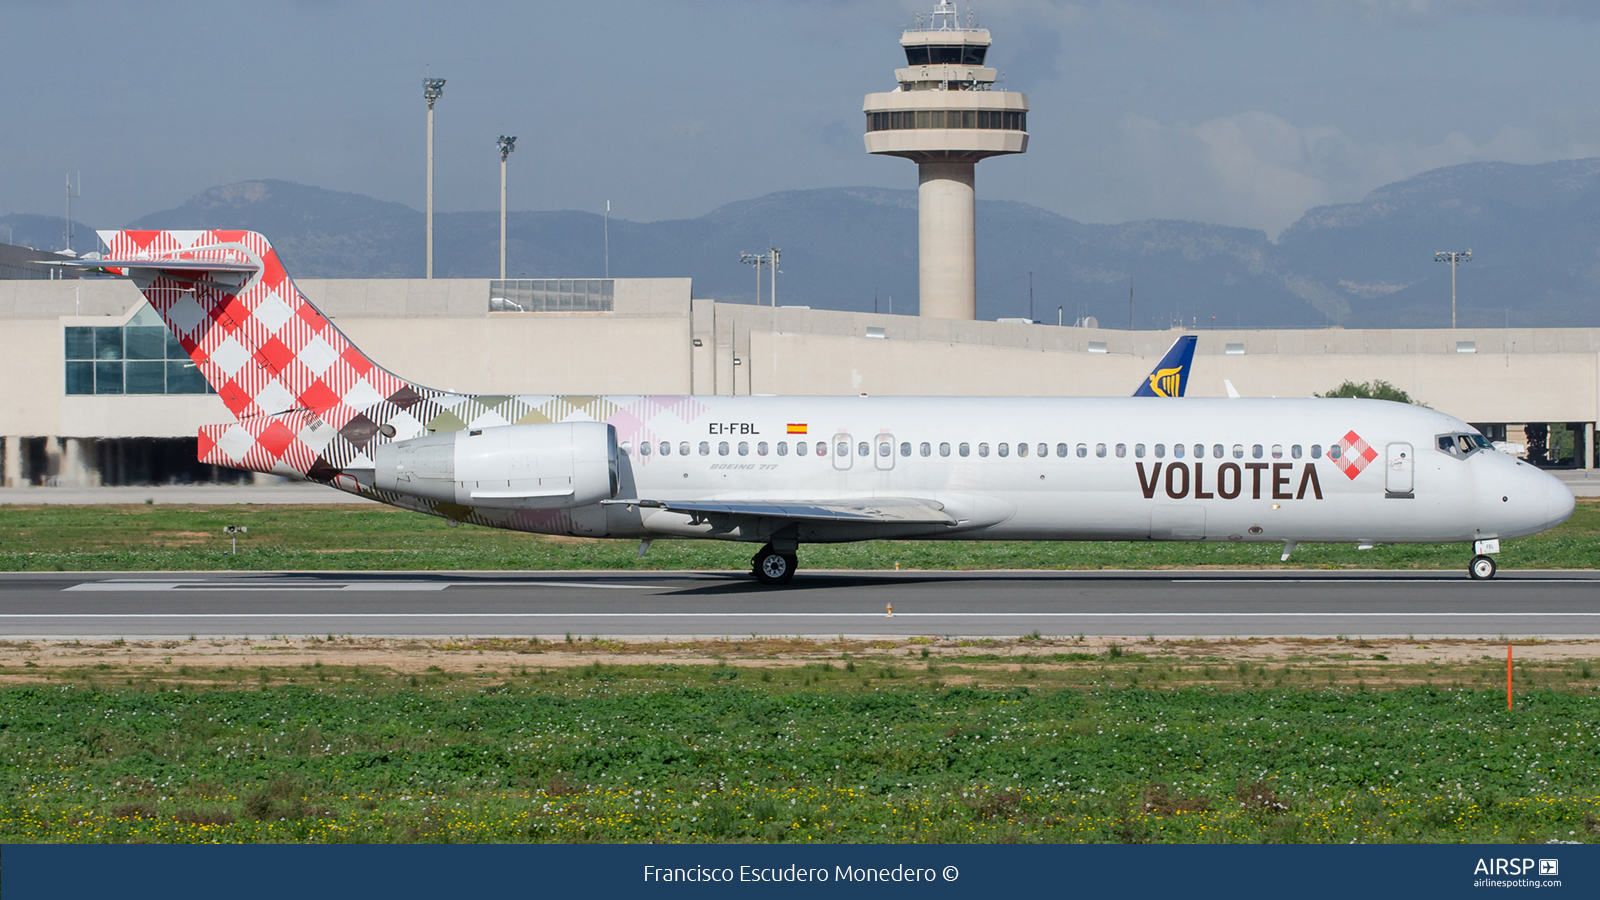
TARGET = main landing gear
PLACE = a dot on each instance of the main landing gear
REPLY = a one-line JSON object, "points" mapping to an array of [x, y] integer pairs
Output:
{"points": [[771, 566], [1481, 568]]}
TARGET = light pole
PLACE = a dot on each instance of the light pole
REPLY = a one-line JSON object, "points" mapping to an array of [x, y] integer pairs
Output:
{"points": [[758, 260], [432, 89], [772, 263], [1454, 258], [507, 143]]}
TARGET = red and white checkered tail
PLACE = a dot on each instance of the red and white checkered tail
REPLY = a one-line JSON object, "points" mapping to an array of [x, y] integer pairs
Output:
{"points": [[286, 373]]}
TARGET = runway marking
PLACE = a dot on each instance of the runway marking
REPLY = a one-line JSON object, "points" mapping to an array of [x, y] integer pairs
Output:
{"points": [[809, 615], [226, 587], [1359, 581]]}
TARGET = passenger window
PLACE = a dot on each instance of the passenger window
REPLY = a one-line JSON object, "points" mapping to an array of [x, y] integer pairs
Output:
{"points": [[783, 448], [944, 449], [1216, 450], [683, 448], [1061, 450], [1294, 451], [905, 449], [1022, 449], [1122, 450], [800, 448], [1161, 450], [705, 448], [666, 448], [842, 449], [1005, 449], [722, 448], [1316, 451], [1199, 451], [927, 449], [1255, 451], [644, 448], [1238, 451], [1138, 450], [822, 448], [761, 449], [744, 448], [983, 449], [1043, 450], [965, 449], [1100, 450], [1277, 451], [886, 449], [1083, 450], [1177, 451], [1334, 452]]}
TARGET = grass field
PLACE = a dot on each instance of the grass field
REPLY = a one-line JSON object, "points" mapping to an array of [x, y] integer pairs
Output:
{"points": [[126, 538], [957, 746]]}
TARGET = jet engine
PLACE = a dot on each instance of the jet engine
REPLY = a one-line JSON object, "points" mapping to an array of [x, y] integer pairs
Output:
{"points": [[556, 466]]}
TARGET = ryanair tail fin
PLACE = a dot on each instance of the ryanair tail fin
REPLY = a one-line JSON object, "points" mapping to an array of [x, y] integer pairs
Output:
{"points": [[1170, 378], [306, 401]]}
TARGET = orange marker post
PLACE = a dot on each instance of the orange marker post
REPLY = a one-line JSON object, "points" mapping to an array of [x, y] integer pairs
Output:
{"points": [[1508, 676], [888, 612]]}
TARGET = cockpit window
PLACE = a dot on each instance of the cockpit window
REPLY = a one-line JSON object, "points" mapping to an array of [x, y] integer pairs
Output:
{"points": [[1463, 444]]}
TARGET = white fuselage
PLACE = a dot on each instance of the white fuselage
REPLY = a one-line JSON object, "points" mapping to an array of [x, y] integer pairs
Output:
{"points": [[1094, 469]]}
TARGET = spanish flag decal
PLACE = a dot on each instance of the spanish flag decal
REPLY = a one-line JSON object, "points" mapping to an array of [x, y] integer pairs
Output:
{"points": [[797, 428]]}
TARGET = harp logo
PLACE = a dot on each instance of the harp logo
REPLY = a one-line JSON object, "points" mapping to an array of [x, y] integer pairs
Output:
{"points": [[1167, 382]]}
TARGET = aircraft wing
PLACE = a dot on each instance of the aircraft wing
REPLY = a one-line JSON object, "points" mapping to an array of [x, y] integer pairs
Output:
{"points": [[865, 511]]}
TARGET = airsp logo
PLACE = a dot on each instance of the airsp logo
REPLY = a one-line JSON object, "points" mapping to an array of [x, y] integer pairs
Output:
{"points": [[1503, 866], [1549, 867]]}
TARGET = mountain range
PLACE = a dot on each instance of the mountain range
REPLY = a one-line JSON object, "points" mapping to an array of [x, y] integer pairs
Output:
{"points": [[1534, 231]]}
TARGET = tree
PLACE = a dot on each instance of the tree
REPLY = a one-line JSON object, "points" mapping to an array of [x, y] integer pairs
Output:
{"points": [[1371, 390]]}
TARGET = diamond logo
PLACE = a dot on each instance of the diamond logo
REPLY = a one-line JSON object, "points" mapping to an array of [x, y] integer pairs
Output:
{"points": [[272, 313], [230, 356], [1354, 455]]}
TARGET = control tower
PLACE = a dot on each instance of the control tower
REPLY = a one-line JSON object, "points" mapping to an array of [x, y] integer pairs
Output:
{"points": [[946, 115]]}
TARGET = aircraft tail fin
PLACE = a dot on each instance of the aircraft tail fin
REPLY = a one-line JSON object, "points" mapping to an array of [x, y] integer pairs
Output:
{"points": [[1170, 377], [306, 400]]}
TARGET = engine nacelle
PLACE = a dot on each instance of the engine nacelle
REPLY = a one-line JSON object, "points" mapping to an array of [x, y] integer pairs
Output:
{"points": [[555, 466]]}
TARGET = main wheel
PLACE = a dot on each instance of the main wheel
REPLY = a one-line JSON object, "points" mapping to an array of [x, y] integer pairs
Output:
{"points": [[1481, 568], [772, 567]]}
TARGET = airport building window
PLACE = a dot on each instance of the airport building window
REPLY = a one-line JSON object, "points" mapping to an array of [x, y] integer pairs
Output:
{"points": [[978, 119], [1100, 450], [1122, 450], [552, 295], [744, 448], [1138, 451], [1316, 451], [966, 449], [1334, 452], [983, 449], [1294, 452], [1255, 451], [141, 357], [1161, 451], [956, 55], [705, 448], [1277, 451], [944, 449]]}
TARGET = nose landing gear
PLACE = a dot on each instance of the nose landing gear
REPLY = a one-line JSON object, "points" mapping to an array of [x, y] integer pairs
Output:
{"points": [[772, 566], [1482, 567]]}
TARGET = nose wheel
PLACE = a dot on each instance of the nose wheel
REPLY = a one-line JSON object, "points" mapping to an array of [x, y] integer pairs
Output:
{"points": [[1482, 568], [772, 567]]}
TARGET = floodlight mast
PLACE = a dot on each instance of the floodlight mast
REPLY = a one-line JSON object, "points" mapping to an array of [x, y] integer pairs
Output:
{"points": [[507, 143], [432, 89], [1454, 258]]}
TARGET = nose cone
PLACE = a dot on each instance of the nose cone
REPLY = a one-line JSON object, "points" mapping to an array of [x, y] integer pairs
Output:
{"points": [[1559, 501]]}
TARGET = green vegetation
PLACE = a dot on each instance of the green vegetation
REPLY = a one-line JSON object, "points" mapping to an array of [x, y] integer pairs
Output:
{"points": [[126, 538], [1371, 390], [802, 752]]}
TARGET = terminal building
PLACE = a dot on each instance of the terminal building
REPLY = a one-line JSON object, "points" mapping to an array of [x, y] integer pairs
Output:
{"points": [[98, 395]]}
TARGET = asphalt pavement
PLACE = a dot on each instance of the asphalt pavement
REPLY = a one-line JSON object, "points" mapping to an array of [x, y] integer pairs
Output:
{"points": [[819, 603]]}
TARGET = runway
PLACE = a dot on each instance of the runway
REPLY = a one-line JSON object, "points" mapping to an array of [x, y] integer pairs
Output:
{"points": [[635, 604]]}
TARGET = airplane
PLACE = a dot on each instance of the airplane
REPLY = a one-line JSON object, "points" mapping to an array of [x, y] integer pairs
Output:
{"points": [[779, 472]]}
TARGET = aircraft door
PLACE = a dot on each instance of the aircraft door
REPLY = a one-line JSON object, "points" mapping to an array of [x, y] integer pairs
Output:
{"points": [[843, 451], [1398, 471], [883, 452]]}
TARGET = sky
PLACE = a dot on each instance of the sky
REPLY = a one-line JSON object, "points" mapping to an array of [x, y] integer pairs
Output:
{"points": [[1237, 112]]}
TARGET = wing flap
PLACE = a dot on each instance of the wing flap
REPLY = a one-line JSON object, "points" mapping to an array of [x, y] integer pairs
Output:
{"points": [[864, 511]]}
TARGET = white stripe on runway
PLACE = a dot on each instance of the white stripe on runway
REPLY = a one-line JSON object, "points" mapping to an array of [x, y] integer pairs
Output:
{"points": [[808, 615], [226, 587]]}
